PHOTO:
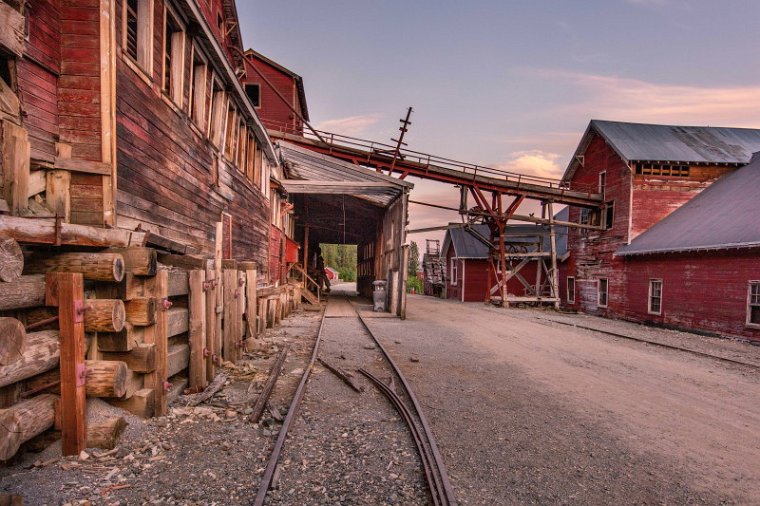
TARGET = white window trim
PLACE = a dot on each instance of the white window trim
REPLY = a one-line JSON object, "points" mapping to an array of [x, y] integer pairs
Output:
{"points": [[567, 290], [748, 322], [453, 271], [649, 298], [599, 292]]}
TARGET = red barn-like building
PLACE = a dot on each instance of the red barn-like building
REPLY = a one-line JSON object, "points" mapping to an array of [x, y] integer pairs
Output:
{"points": [[276, 92], [647, 264]]}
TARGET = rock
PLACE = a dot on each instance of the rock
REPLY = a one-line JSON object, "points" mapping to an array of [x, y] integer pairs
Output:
{"points": [[83, 455]]}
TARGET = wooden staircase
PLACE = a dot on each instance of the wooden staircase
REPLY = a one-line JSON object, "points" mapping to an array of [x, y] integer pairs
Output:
{"points": [[307, 280]]}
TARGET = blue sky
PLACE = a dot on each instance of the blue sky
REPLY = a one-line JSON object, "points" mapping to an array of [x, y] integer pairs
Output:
{"points": [[507, 83]]}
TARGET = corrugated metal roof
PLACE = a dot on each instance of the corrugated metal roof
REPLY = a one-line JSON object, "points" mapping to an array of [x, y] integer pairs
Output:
{"points": [[726, 215], [671, 143], [304, 164], [467, 245]]}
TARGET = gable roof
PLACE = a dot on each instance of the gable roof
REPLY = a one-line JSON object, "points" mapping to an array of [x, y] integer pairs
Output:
{"points": [[639, 142], [723, 216], [467, 244], [250, 53]]}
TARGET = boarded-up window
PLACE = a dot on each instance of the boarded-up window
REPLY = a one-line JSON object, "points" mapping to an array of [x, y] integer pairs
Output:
{"points": [[602, 292], [453, 274], [198, 81], [571, 290], [218, 110], [231, 136], [753, 309], [655, 296], [137, 38]]}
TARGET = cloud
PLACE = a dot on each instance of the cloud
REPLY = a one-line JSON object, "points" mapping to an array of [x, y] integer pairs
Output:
{"points": [[350, 125], [627, 99], [534, 163]]}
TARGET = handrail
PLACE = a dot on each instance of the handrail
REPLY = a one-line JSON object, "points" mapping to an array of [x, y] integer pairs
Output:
{"points": [[374, 148], [309, 278]]}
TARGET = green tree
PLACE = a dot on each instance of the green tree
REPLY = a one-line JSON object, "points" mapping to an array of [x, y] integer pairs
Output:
{"points": [[414, 259]]}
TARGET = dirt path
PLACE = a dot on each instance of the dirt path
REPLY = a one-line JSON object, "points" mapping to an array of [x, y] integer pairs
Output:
{"points": [[528, 413]]}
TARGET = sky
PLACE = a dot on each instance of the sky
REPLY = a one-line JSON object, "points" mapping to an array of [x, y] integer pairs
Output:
{"points": [[511, 84]]}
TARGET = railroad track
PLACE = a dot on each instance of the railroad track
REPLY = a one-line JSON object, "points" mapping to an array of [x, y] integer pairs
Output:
{"points": [[405, 403]]}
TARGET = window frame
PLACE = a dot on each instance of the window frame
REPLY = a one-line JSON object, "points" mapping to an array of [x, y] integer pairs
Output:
{"points": [[751, 304], [177, 70], [609, 215], [599, 292], [257, 104], [570, 300], [218, 121], [602, 183], [143, 35], [198, 93], [651, 296], [453, 272]]}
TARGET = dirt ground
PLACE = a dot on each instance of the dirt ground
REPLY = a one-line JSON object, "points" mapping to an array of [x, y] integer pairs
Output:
{"points": [[525, 410]]}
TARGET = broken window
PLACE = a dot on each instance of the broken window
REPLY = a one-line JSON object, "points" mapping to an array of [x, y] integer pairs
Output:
{"points": [[655, 296], [174, 52], [661, 169], [590, 217], [609, 215], [571, 290], [254, 93], [453, 276], [602, 287], [753, 308], [198, 90], [138, 32]]}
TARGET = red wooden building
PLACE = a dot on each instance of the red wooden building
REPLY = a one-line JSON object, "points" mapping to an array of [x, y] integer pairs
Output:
{"points": [[466, 251], [276, 92], [646, 172]]}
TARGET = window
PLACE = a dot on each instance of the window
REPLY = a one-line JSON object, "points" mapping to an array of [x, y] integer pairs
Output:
{"points": [[590, 217], [137, 32], [571, 290], [251, 161], [609, 215], [453, 271], [602, 182], [231, 135], [258, 178], [655, 296], [254, 94], [753, 304], [661, 169], [602, 288], [174, 57], [198, 90], [218, 109], [242, 137]]}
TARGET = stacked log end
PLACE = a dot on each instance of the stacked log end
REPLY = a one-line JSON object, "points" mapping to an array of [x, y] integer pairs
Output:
{"points": [[12, 341]]}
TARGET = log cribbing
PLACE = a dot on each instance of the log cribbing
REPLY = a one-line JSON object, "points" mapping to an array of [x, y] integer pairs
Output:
{"points": [[12, 341], [106, 378], [93, 266], [139, 261], [41, 355], [22, 421], [106, 433], [142, 358], [141, 311], [11, 259], [104, 315], [197, 332], [24, 292], [141, 403]]}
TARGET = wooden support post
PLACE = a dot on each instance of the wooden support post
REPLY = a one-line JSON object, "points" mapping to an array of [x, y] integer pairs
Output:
{"points": [[16, 156], [404, 279], [218, 260], [157, 334], [66, 290], [305, 255], [58, 193], [553, 244], [229, 351], [503, 257], [211, 319], [197, 333], [540, 261], [241, 293], [250, 299]]}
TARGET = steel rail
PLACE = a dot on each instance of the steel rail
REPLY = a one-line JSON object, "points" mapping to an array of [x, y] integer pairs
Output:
{"points": [[433, 480], [655, 343], [448, 491], [266, 479]]}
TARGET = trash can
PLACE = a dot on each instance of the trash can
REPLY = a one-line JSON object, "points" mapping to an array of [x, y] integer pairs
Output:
{"points": [[378, 295]]}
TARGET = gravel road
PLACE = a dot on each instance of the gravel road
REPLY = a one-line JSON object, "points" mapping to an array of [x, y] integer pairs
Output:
{"points": [[530, 413]]}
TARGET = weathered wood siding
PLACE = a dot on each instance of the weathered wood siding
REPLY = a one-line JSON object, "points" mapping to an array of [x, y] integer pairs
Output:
{"points": [[705, 291], [273, 111]]}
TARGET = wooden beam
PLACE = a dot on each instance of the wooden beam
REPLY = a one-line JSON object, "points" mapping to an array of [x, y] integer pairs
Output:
{"points": [[70, 297], [158, 335], [141, 311], [13, 35], [229, 350], [177, 321], [11, 260], [46, 231], [251, 300], [141, 403], [12, 341], [25, 420], [211, 320], [93, 266], [42, 354], [84, 166], [197, 332], [58, 193], [177, 359], [177, 282], [142, 358], [139, 261], [16, 156]]}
